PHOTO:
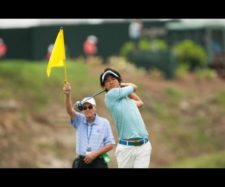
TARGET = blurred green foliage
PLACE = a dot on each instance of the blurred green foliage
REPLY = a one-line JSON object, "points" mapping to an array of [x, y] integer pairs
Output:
{"points": [[28, 82], [188, 52], [212, 160], [156, 45], [202, 74], [182, 71]]}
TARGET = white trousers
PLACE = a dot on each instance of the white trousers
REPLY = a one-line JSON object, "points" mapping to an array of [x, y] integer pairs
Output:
{"points": [[133, 156]]}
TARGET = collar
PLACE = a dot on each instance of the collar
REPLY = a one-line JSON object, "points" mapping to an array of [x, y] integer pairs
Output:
{"points": [[94, 122]]}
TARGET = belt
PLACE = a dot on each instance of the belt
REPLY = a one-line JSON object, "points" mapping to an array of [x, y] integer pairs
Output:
{"points": [[82, 157], [134, 143]]}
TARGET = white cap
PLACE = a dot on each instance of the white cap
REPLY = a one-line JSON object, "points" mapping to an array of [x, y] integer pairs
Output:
{"points": [[109, 72], [90, 100], [92, 38]]}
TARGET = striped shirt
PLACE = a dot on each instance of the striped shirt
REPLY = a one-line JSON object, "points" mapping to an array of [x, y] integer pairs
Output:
{"points": [[96, 135]]}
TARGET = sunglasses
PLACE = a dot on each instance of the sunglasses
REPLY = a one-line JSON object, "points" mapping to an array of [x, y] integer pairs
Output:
{"points": [[87, 107]]}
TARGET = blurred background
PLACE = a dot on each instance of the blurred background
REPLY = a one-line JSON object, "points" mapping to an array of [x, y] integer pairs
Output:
{"points": [[178, 64]]}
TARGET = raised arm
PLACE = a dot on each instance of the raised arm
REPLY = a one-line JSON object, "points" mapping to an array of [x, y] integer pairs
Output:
{"points": [[133, 95], [123, 84], [137, 99], [68, 102]]}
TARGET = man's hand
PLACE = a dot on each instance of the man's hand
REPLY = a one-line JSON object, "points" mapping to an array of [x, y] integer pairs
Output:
{"points": [[67, 88], [89, 158], [124, 84]]}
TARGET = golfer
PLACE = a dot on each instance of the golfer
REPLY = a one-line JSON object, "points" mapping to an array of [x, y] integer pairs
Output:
{"points": [[134, 148]]}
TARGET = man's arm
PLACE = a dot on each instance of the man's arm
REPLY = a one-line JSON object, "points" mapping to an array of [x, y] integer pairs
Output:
{"points": [[133, 95], [137, 99], [93, 155], [69, 106], [123, 84]]}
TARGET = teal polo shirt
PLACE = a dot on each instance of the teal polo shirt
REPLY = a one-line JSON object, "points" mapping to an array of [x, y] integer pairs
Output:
{"points": [[125, 113]]}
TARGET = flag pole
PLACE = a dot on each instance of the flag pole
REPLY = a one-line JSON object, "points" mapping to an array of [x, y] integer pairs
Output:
{"points": [[65, 65], [65, 73]]}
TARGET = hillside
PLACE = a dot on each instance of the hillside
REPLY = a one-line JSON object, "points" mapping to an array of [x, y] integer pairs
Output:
{"points": [[185, 118]]}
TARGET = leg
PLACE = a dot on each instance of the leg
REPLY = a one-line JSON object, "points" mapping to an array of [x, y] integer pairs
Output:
{"points": [[124, 156], [75, 163], [143, 155]]}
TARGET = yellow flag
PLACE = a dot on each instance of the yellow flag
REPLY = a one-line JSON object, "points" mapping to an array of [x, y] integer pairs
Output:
{"points": [[58, 57]]}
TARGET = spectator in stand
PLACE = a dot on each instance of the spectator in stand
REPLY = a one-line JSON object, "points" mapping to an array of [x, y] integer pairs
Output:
{"points": [[3, 48], [90, 46], [135, 31], [49, 51]]}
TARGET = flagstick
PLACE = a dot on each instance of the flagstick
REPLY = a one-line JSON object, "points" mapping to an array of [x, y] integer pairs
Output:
{"points": [[65, 73], [65, 65]]}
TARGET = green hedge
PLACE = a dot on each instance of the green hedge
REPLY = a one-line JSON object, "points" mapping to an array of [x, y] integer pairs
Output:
{"points": [[163, 61]]}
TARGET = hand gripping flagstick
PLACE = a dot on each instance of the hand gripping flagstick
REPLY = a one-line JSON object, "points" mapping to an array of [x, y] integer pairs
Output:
{"points": [[58, 59]]}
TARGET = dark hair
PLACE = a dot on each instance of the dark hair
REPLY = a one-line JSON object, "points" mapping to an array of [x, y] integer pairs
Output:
{"points": [[112, 72]]}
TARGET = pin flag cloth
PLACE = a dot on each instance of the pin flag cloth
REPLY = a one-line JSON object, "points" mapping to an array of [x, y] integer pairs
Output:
{"points": [[58, 57]]}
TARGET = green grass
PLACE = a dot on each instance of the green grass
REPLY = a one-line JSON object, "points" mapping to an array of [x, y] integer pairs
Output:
{"points": [[174, 95], [213, 160], [27, 81], [220, 99]]}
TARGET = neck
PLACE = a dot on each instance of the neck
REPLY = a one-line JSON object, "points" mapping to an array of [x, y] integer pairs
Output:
{"points": [[90, 119]]}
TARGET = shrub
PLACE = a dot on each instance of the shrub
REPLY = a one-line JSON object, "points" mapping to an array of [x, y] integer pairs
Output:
{"points": [[188, 52]]}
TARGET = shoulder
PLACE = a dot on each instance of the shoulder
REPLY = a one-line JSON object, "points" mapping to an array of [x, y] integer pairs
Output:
{"points": [[112, 91], [102, 120], [98, 117], [78, 117]]}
